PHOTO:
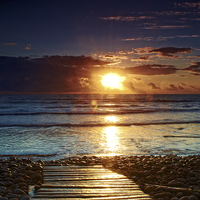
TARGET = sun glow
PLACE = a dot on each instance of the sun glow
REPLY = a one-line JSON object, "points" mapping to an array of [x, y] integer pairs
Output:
{"points": [[112, 81]]}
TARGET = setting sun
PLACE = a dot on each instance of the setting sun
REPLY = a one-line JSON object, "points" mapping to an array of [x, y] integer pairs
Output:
{"points": [[112, 81]]}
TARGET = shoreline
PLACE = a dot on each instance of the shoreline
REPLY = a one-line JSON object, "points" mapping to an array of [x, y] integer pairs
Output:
{"points": [[168, 177]]}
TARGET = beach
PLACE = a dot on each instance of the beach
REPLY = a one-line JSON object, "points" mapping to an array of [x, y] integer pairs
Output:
{"points": [[168, 177], [152, 139]]}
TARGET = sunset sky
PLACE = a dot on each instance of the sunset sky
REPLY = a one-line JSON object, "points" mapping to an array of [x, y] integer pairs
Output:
{"points": [[70, 46]]}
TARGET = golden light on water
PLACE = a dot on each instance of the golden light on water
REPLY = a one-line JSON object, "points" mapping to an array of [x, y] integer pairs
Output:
{"points": [[111, 139], [111, 119], [113, 81]]}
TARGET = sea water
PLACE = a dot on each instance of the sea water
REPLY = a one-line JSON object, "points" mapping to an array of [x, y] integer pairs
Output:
{"points": [[61, 125]]}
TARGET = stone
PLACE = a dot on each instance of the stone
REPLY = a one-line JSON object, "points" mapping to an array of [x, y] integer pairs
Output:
{"points": [[192, 197], [18, 180], [18, 191], [25, 198], [197, 194], [185, 198], [14, 196], [149, 189], [175, 183], [13, 199], [163, 194], [37, 187], [180, 194], [36, 177]]}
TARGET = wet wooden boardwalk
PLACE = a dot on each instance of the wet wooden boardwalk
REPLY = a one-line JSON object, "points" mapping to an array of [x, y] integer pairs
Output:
{"points": [[86, 182]]}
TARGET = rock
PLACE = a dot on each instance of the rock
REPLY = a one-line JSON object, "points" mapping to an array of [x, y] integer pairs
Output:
{"points": [[2, 189], [2, 183], [25, 198], [36, 177], [175, 183], [161, 188], [180, 194], [18, 180], [163, 194], [166, 198], [185, 198], [13, 199], [3, 198], [149, 189], [193, 179], [182, 180], [37, 187], [192, 197], [197, 194], [36, 167], [14, 196], [18, 191]]}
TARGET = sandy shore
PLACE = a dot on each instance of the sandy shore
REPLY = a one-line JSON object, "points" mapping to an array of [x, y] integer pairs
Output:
{"points": [[169, 177]]}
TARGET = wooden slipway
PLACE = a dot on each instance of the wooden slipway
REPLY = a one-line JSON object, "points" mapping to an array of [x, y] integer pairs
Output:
{"points": [[86, 182]]}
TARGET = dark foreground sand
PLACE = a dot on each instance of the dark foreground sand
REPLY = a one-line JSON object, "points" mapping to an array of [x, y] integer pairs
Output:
{"points": [[169, 177]]}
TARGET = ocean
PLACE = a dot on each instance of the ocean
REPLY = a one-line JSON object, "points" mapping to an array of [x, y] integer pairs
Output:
{"points": [[55, 126]]}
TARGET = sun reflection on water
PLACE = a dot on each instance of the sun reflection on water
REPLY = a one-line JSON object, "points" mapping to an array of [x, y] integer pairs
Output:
{"points": [[111, 119], [111, 139]]}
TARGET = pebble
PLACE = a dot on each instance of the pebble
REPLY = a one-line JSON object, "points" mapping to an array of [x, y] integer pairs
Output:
{"points": [[168, 177], [14, 177], [162, 177]]}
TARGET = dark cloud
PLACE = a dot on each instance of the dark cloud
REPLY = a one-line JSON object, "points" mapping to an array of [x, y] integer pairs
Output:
{"points": [[183, 84], [153, 86], [152, 70], [143, 58], [46, 74], [180, 87], [173, 87], [69, 74], [169, 51], [194, 87], [10, 44], [70, 60], [182, 76], [195, 74], [137, 78], [128, 84], [195, 68]]}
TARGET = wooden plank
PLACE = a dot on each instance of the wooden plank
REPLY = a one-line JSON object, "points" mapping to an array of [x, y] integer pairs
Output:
{"points": [[98, 198], [68, 191], [90, 183], [87, 195], [91, 186], [87, 190], [49, 173], [91, 177], [86, 182], [77, 170], [73, 167]]}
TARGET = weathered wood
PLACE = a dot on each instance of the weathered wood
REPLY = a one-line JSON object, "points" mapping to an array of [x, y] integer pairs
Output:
{"points": [[91, 177], [88, 195], [86, 182], [98, 198], [87, 190]]}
